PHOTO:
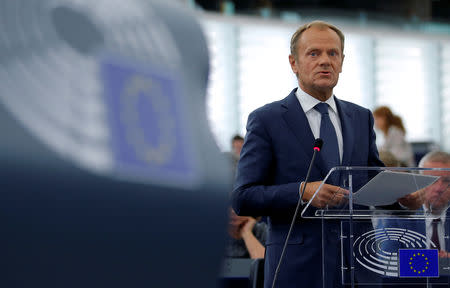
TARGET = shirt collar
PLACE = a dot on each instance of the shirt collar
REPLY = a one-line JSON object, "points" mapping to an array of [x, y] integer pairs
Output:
{"points": [[308, 102], [442, 216]]}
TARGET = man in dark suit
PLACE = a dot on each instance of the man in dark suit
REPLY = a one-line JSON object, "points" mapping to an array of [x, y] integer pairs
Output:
{"points": [[279, 146]]}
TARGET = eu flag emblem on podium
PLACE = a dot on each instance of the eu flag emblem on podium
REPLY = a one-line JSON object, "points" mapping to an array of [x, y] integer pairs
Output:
{"points": [[418, 262]]}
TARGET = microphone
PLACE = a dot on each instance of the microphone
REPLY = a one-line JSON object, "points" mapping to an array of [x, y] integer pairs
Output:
{"points": [[317, 146]]}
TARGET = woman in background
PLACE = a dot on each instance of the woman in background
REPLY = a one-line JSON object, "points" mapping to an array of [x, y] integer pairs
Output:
{"points": [[394, 135]]}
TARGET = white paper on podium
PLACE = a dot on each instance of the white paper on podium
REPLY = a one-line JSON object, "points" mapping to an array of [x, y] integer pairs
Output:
{"points": [[388, 186]]}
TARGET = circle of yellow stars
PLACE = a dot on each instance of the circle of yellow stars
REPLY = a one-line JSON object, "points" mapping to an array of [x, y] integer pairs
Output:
{"points": [[423, 257], [136, 89]]}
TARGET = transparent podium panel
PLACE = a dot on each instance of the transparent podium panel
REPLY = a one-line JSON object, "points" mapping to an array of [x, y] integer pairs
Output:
{"points": [[384, 227]]}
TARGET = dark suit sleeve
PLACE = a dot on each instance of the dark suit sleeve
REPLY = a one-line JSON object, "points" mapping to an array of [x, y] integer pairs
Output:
{"points": [[253, 193]]}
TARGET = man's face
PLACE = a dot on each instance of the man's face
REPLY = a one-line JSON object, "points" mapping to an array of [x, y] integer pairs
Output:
{"points": [[319, 61], [437, 195]]}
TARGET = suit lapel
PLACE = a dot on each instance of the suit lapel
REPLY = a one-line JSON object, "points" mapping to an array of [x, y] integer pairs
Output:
{"points": [[296, 119], [346, 116]]}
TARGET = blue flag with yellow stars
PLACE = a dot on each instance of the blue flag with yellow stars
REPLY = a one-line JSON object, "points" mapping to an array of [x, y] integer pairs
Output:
{"points": [[148, 122], [418, 262]]}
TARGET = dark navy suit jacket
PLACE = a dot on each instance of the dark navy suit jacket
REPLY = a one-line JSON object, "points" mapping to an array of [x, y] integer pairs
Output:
{"points": [[274, 160]]}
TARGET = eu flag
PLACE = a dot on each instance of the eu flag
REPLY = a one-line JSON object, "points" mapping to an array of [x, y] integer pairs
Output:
{"points": [[418, 262], [149, 124]]}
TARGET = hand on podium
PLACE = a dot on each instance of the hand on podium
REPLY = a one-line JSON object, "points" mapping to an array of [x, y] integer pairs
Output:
{"points": [[329, 195]]}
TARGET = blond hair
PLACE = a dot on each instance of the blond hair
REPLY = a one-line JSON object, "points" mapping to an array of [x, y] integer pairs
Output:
{"points": [[317, 24]]}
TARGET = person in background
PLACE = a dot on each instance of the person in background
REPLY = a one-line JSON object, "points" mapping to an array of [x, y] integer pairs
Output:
{"points": [[247, 237], [389, 159], [433, 200], [247, 234], [236, 146], [394, 135], [437, 195]]}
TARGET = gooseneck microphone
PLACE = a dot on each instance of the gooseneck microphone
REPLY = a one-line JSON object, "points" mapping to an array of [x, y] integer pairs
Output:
{"points": [[317, 146]]}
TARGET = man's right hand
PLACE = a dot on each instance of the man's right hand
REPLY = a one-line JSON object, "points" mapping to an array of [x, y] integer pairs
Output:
{"points": [[328, 195]]}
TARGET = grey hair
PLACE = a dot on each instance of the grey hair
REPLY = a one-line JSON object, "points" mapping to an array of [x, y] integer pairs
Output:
{"points": [[435, 157], [318, 24]]}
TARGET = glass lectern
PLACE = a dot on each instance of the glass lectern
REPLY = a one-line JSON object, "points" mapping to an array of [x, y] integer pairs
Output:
{"points": [[384, 241]]}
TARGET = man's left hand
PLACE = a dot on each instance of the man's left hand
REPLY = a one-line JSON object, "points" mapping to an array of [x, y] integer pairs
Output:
{"points": [[413, 201]]}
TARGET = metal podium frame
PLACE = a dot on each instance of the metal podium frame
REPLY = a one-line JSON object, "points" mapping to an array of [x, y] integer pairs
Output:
{"points": [[379, 235]]}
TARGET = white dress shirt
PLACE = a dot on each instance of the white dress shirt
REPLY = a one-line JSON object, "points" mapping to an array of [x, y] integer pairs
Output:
{"points": [[314, 117]]}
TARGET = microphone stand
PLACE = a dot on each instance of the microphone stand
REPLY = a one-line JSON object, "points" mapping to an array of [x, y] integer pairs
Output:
{"points": [[317, 146]]}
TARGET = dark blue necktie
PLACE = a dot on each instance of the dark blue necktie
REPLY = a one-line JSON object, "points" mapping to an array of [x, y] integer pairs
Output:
{"points": [[434, 233], [330, 148]]}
